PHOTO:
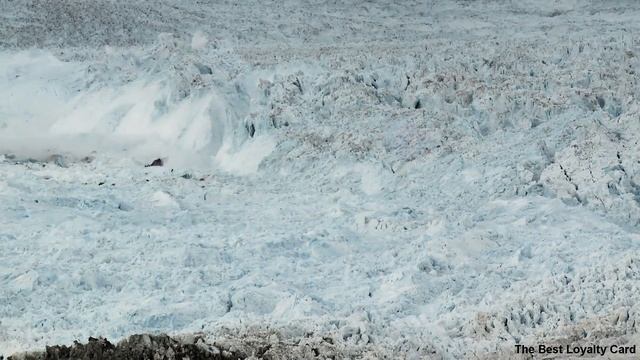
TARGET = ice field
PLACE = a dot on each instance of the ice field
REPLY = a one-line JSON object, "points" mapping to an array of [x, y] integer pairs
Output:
{"points": [[415, 179]]}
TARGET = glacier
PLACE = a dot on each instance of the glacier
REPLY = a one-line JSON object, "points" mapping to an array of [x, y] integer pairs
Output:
{"points": [[416, 179]]}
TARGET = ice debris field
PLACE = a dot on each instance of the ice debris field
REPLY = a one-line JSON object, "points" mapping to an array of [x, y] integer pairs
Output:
{"points": [[415, 179]]}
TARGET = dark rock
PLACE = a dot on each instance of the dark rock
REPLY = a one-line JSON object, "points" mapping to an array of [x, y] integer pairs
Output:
{"points": [[251, 129], [142, 347], [252, 345], [156, 162]]}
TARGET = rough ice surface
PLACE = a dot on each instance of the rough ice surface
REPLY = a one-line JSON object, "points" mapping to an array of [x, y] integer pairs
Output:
{"points": [[422, 178]]}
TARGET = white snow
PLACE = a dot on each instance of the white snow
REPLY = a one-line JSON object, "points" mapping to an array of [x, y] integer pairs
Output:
{"points": [[246, 159], [427, 179]]}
